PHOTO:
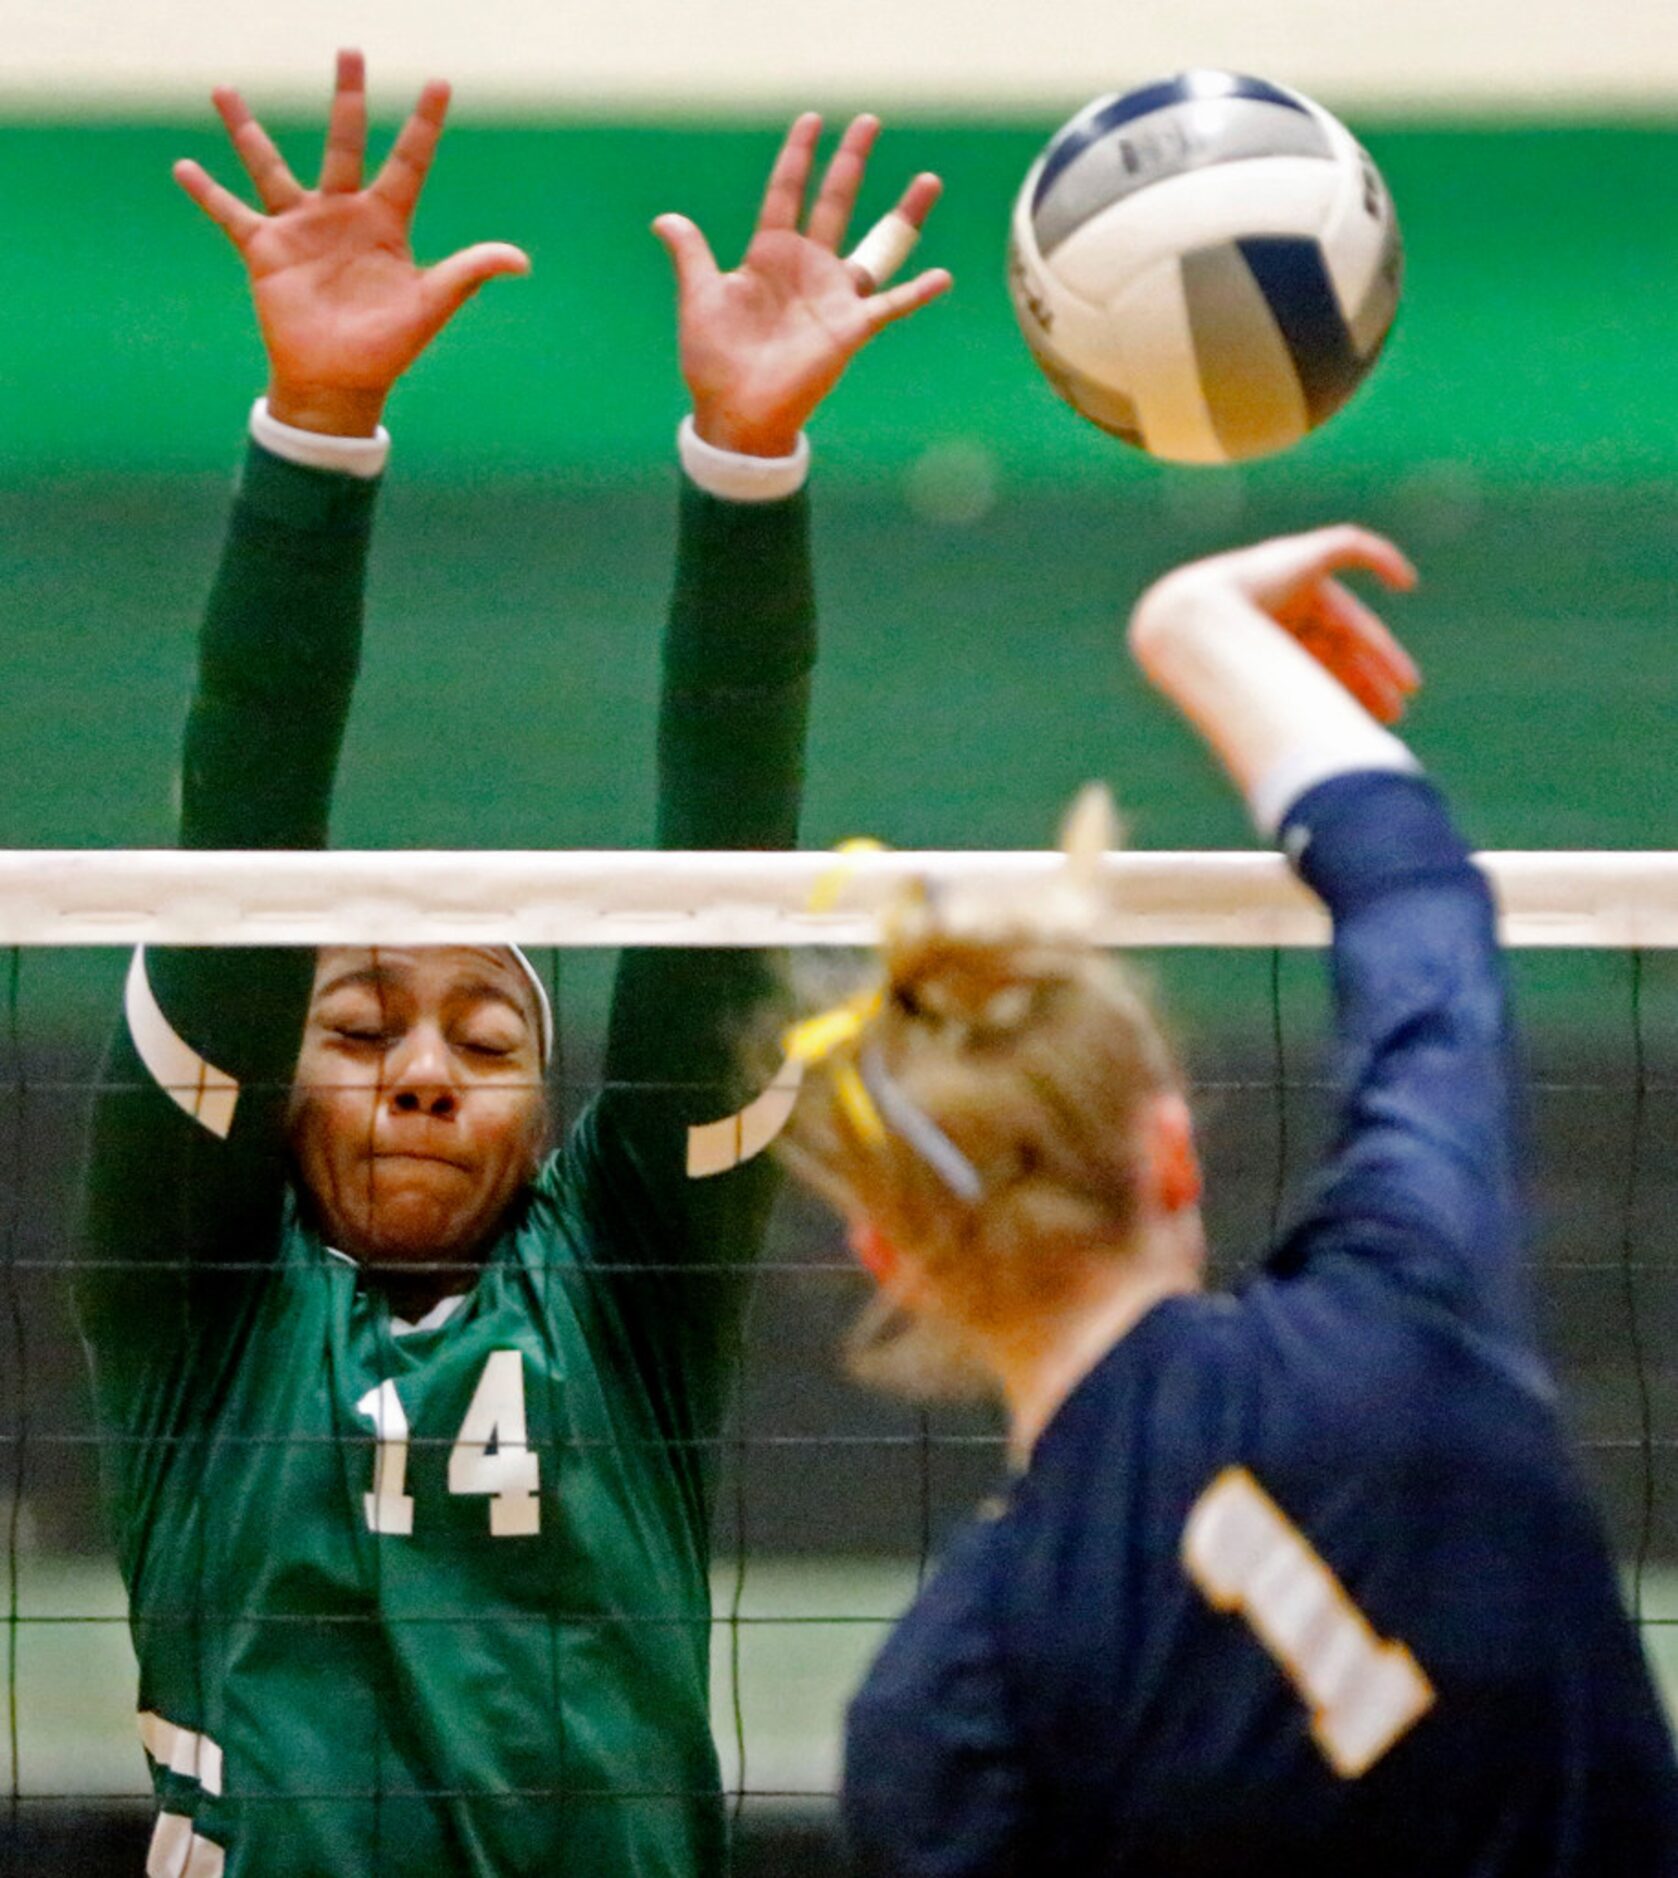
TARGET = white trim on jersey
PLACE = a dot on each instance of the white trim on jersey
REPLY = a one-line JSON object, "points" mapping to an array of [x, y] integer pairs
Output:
{"points": [[176, 1851], [209, 1095], [183, 1751], [732, 477], [715, 1147], [361, 457], [439, 1314]]}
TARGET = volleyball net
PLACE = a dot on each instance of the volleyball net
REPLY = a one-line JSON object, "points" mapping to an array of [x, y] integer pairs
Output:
{"points": [[832, 1502]]}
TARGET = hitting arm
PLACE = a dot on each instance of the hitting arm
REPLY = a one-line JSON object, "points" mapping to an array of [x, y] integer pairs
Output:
{"points": [[1422, 1179], [1283, 670]]}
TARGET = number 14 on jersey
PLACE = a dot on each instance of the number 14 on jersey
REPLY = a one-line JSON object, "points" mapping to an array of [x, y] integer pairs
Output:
{"points": [[491, 1454]]}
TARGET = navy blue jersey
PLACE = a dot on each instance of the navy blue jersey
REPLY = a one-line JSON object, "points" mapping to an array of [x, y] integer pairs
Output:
{"points": [[1303, 1580]]}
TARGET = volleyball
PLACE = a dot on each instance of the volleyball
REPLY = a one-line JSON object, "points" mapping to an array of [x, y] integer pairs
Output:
{"points": [[1206, 267]]}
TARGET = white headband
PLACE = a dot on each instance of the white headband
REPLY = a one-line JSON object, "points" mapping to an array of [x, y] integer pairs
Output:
{"points": [[544, 1004]]}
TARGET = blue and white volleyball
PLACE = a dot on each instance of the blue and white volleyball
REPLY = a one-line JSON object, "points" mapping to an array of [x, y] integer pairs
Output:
{"points": [[1206, 267]]}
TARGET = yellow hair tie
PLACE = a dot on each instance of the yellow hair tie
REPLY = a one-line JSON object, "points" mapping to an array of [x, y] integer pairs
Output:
{"points": [[816, 1038], [828, 890], [819, 1037], [858, 1104]]}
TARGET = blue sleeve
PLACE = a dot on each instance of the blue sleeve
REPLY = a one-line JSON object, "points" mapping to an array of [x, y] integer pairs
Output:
{"points": [[1421, 1184], [934, 1781]]}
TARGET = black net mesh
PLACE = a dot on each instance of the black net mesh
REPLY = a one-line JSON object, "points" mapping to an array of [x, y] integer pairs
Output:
{"points": [[834, 1502]]}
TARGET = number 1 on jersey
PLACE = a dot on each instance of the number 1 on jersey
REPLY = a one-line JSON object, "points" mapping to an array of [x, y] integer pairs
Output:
{"points": [[389, 1507], [1364, 1691], [491, 1454]]}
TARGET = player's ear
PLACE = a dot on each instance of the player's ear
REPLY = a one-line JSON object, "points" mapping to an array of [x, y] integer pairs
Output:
{"points": [[875, 1252], [541, 1128], [1171, 1175]]}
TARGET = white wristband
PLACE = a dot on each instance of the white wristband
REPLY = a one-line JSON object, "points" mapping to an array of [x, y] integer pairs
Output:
{"points": [[736, 478], [314, 449], [1281, 786]]}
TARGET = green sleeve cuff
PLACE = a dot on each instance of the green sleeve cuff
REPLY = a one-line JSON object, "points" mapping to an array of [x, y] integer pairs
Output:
{"points": [[312, 501]]}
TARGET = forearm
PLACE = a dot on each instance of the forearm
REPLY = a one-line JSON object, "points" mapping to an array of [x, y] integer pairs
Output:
{"points": [[277, 660], [736, 675], [737, 662], [738, 656], [1364, 837], [1426, 1144], [278, 654]]}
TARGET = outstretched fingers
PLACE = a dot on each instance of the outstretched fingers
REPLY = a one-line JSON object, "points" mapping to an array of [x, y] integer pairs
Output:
{"points": [[1346, 546], [236, 219], [836, 199], [346, 128], [783, 199], [267, 169], [405, 169], [920, 198], [899, 302]]}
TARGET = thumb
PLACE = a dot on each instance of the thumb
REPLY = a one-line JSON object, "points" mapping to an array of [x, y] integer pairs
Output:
{"points": [[689, 251], [451, 283]]}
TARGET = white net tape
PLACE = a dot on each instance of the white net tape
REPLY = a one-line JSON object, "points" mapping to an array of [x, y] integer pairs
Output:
{"points": [[85, 897]]}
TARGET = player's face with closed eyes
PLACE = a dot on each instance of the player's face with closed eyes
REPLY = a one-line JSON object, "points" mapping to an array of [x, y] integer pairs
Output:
{"points": [[417, 1109]]}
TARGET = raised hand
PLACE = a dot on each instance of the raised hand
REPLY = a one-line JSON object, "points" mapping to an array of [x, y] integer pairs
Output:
{"points": [[762, 345], [344, 310], [1293, 580]]}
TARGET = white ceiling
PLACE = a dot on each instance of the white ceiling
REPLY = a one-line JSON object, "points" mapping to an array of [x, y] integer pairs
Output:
{"points": [[1007, 55]]}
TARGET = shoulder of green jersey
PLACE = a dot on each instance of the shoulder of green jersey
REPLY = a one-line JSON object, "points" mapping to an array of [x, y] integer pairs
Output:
{"points": [[209, 1095], [434, 1319]]}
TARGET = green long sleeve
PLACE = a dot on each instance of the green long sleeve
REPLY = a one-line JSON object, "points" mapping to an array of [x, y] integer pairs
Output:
{"points": [[187, 1163], [738, 656], [277, 659]]}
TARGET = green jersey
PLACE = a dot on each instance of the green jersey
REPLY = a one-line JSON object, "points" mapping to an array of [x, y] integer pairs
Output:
{"points": [[430, 1598]]}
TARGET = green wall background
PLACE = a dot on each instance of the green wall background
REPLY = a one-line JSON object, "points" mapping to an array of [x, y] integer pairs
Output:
{"points": [[1534, 342], [978, 545]]}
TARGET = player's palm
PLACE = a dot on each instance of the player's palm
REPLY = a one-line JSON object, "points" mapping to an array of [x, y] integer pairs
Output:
{"points": [[337, 293], [1297, 585], [763, 344], [777, 332]]}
